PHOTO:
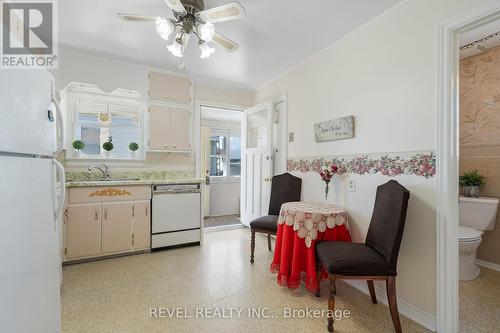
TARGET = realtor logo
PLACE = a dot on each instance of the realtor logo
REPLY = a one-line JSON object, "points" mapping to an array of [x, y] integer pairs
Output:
{"points": [[29, 36]]}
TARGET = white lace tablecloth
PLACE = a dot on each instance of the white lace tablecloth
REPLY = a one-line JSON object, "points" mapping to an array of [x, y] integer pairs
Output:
{"points": [[308, 218]]}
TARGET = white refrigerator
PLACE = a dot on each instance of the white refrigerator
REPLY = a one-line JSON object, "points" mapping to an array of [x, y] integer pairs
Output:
{"points": [[31, 201]]}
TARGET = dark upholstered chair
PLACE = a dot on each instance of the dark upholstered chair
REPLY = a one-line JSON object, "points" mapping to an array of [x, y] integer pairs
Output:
{"points": [[377, 258], [284, 188]]}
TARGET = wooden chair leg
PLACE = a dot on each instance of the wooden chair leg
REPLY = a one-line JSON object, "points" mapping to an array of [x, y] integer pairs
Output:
{"points": [[393, 304], [252, 246], [269, 242], [331, 305], [371, 288], [319, 276]]}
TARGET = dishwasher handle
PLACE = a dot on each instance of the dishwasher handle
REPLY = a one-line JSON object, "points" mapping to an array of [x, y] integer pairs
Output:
{"points": [[157, 192]]}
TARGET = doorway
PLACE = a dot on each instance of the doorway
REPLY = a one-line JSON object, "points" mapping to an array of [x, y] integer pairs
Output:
{"points": [[220, 151], [448, 164]]}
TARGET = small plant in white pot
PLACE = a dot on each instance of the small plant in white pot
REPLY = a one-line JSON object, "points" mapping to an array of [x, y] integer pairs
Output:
{"points": [[78, 145], [472, 181], [133, 147], [108, 147]]}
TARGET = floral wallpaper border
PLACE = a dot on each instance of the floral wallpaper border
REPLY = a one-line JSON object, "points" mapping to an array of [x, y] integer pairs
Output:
{"points": [[422, 164]]}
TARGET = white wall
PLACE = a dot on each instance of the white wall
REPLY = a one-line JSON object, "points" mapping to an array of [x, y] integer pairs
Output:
{"points": [[385, 74], [109, 74]]}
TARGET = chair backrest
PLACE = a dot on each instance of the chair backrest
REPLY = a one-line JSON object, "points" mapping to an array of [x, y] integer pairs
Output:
{"points": [[388, 221], [284, 188]]}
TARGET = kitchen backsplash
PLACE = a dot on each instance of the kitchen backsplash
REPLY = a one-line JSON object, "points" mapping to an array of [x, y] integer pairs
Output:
{"points": [[143, 175]]}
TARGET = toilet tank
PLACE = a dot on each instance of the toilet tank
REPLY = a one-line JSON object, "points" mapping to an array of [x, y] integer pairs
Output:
{"points": [[478, 213]]}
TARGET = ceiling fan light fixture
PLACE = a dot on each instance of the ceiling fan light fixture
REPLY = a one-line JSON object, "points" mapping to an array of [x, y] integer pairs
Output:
{"points": [[206, 50], [176, 48], [206, 31], [164, 27]]}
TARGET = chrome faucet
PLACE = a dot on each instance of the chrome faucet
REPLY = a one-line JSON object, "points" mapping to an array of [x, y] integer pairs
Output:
{"points": [[104, 170]]}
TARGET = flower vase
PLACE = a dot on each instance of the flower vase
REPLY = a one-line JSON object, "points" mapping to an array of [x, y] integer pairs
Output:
{"points": [[107, 154], [471, 191], [78, 153], [132, 154], [326, 190]]}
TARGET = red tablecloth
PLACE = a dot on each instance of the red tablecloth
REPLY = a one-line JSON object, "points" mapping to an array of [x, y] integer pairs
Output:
{"points": [[294, 261]]}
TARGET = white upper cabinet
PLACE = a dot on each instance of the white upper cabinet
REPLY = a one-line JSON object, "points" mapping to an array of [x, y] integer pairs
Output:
{"points": [[169, 128], [169, 88]]}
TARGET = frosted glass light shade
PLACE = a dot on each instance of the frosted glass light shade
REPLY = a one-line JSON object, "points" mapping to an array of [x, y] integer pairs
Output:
{"points": [[164, 27], [206, 50], [206, 31]]}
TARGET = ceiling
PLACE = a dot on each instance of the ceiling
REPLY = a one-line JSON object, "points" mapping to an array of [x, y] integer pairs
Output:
{"points": [[216, 114], [476, 34], [275, 36]]}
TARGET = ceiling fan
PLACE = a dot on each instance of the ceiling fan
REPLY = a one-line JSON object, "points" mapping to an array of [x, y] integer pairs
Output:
{"points": [[192, 18]]}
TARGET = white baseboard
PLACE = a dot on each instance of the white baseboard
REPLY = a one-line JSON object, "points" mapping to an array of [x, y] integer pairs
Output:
{"points": [[487, 264], [405, 308]]}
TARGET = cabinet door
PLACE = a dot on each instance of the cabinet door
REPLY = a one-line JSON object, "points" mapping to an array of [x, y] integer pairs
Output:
{"points": [[141, 225], [180, 120], [159, 127], [169, 88], [83, 231], [116, 227]]}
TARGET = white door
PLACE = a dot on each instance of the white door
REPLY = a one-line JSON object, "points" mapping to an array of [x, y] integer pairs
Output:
{"points": [[256, 161], [29, 277]]}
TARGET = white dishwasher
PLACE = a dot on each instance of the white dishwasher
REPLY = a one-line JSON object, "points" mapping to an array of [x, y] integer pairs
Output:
{"points": [[176, 216]]}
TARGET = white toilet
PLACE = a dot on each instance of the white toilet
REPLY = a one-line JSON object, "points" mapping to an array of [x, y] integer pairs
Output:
{"points": [[476, 215]]}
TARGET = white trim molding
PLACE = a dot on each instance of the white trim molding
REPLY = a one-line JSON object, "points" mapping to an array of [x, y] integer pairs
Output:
{"points": [[447, 310], [488, 264], [405, 308]]}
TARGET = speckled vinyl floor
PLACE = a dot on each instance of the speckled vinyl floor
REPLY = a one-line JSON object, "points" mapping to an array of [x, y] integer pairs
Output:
{"points": [[480, 303], [116, 295], [220, 221]]}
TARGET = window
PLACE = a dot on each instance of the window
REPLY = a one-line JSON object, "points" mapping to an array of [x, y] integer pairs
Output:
{"points": [[225, 155], [97, 122]]}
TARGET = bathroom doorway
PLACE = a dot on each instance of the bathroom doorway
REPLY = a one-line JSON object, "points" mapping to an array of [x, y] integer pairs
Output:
{"points": [[479, 170]]}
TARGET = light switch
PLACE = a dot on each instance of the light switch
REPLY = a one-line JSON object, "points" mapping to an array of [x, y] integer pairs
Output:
{"points": [[351, 185], [290, 136]]}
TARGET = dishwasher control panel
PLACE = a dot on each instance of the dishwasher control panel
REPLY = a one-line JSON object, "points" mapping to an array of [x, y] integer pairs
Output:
{"points": [[177, 188]]}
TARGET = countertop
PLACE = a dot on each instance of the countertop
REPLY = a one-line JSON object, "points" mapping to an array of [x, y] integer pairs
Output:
{"points": [[93, 183]]}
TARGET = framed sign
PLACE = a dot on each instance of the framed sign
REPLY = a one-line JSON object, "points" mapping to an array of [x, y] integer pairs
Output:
{"points": [[337, 129]]}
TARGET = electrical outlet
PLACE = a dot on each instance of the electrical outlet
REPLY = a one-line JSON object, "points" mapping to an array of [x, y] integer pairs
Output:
{"points": [[351, 185]]}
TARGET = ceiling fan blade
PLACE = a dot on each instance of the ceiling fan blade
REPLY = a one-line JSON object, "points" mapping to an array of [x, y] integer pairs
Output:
{"points": [[227, 12], [225, 42], [176, 6], [136, 18]]}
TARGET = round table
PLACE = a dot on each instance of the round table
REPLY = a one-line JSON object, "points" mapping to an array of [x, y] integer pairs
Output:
{"points": [[300, 226]]}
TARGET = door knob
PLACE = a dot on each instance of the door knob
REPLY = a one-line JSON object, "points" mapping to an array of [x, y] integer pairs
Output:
{"points": [[267, 179]]}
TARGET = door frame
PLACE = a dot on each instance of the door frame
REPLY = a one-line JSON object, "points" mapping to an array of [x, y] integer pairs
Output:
{"points": [[447, 295]]}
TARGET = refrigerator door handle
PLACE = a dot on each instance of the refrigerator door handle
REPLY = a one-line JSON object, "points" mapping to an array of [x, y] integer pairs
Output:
{"points": [[62, 192], [61, 128]]}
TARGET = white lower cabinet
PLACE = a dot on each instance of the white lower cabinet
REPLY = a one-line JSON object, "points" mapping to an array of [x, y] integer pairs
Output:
{"points": [[83, 231], [116, 227], [109, 225]]}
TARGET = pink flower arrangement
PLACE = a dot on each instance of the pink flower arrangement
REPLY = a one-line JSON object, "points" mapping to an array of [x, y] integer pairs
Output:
{"points": [[327, 175]]}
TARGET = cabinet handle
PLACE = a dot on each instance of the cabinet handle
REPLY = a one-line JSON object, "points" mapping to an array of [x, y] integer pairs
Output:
{"points": [[147, 210], [133, 210], [174, 146], [105, 213], [66, 216], [165, 145], [96, 215]]}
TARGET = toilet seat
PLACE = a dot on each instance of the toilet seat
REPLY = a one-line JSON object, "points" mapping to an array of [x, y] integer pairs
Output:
{"points": [[466, 235]]}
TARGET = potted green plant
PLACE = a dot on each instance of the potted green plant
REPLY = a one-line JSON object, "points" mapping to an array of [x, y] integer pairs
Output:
{"points": [[78, 145], [471, 181], [133, 147], [108, 147]]}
